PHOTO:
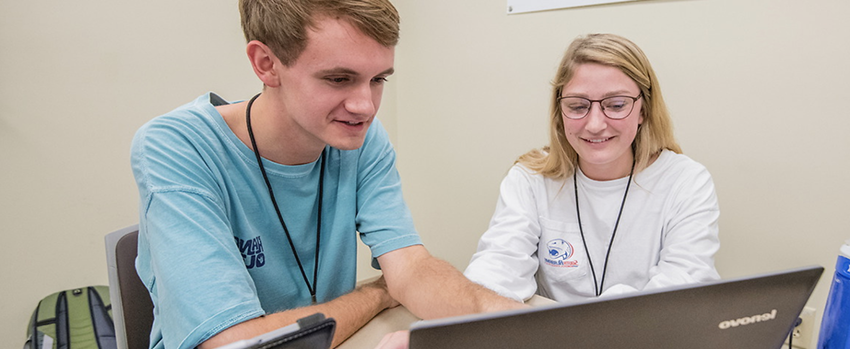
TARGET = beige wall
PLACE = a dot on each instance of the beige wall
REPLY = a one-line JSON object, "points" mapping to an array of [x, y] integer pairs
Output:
{"points": [[756, 89]]}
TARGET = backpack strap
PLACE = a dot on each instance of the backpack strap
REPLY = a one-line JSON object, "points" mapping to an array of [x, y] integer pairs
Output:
{"points": [[32, 330], [63, 338], [104, 328]]}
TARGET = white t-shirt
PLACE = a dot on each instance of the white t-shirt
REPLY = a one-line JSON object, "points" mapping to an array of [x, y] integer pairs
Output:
{"points": [[667, 235]]}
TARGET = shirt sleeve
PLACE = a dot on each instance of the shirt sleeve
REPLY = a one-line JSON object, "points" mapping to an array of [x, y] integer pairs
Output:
{"points": [[506, 260], [383, 219], [187, 256], [690, 239]]}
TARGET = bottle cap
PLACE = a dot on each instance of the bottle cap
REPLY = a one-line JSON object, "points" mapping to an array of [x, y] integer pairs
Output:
{"points": [[845, 249]]}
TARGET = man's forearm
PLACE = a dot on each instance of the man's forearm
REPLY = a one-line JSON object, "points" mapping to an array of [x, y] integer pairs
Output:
{"points": [[351, 312], [432, 288], [443, 291]]}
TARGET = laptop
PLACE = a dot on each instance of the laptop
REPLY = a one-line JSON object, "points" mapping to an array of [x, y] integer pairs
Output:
{"points": [[750, 313]]}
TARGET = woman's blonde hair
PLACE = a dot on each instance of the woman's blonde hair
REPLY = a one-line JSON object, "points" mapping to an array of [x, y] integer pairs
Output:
{"points": [[559, 159]]}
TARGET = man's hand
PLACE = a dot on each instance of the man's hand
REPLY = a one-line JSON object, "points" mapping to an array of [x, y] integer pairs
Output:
{"points": [[395, 340], [381, 285]]}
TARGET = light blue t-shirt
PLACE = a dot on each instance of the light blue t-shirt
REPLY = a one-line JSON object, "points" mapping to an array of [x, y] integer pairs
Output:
{"points": [[212, 251]]}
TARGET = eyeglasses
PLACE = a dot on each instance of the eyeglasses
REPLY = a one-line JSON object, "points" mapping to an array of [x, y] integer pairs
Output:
{"points": [[614, 107]]}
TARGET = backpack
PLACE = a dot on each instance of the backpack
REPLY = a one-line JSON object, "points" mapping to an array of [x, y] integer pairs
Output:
{"points": [[73, 319]]}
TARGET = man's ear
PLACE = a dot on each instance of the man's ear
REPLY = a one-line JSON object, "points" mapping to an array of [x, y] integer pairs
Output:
{"points": [[264, 63]]}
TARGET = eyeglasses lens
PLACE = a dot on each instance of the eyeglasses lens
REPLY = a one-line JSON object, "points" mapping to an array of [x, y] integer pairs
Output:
{"points": [[614, 107]]}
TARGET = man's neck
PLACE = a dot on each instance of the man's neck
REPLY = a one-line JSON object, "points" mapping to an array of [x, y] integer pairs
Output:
{"points": [[270, 133]]}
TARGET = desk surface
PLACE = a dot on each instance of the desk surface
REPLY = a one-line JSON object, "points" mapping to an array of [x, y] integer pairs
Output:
{"points": [[397, 319]]}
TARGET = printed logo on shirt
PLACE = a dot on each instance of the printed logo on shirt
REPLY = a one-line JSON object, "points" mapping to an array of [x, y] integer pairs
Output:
{"points": [[252, 252], [559, 253]]}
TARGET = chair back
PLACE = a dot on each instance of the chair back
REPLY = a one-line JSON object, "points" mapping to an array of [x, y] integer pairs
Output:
{"points": [[132, 309]]}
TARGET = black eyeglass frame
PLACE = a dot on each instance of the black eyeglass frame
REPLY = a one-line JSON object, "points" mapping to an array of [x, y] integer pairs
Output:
{"points": [[634, 100]]}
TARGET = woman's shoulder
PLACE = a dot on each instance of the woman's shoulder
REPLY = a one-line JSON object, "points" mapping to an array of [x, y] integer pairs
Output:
{"points": [[519, 169], [671, 166], [669, 160], [520, 175]]}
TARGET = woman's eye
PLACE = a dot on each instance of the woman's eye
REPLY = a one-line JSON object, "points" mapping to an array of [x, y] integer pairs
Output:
{"points": [[616, 104]]}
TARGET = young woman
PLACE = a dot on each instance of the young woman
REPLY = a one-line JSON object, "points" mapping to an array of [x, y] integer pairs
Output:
{"points": [[611, 205]]}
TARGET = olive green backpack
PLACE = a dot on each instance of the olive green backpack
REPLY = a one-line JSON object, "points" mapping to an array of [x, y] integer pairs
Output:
{"points": [[73, 319]]}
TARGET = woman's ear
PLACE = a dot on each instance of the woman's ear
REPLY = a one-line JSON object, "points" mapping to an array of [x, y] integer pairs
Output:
{"points": [[264, 62], [642, 114]]}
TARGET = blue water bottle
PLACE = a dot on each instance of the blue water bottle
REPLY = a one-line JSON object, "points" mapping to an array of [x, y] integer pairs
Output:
{"points": [[835, 326]]}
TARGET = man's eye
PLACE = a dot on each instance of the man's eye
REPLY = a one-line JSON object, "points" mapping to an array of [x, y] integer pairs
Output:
{"points": [[337, 80], [379, 80]]}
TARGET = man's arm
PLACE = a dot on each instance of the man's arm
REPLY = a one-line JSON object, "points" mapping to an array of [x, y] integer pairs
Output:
{"points": [[351, 312], [432, 288]]}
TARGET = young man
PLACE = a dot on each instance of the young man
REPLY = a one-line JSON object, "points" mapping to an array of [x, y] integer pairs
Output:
{"points": [[232, 246]]}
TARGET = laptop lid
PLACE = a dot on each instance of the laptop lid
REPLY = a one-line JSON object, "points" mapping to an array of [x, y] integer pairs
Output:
{"points": [[752, 312]]}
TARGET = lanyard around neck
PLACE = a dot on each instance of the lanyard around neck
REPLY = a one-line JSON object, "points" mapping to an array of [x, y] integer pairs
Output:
{"points": [[598, 286], [310, 287]]}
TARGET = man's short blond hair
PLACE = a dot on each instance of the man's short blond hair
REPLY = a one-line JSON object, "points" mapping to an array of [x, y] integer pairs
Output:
{"points": [[282, 24]]}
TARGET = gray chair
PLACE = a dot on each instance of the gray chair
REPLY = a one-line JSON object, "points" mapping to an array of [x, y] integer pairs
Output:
{"points": [[132, 309]]}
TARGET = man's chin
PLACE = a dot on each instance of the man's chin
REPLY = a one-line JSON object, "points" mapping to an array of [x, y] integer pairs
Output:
{"points": [[348, 144]]}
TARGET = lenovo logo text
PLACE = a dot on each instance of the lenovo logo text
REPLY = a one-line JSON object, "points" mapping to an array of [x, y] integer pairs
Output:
{"points": [[748, 320]]}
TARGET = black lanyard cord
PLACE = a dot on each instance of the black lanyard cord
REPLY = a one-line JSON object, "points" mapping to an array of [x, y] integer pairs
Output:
{"points": [[311, 288], [598, 287]]}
